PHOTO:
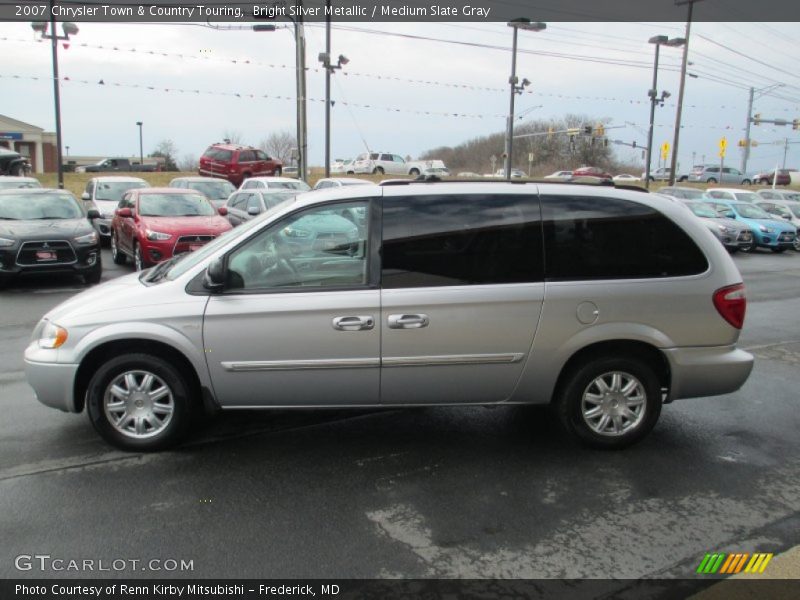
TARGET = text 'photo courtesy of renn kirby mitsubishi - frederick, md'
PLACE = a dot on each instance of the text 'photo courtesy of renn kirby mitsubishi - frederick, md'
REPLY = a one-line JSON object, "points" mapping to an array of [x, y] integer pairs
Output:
{"points": [[399, 299]]}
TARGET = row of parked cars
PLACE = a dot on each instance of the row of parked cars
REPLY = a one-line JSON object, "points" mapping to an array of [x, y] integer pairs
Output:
{"points": [[745, 220]]}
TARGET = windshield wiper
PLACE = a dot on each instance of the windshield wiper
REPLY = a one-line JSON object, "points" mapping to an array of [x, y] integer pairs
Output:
{"points": [[161, 268]]}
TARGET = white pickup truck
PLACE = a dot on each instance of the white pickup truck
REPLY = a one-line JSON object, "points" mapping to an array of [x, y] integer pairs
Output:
{"points": [[392, 164]]}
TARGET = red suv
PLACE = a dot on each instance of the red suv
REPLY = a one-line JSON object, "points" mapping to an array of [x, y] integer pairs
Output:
{"points": [[766, 177], [154, 224], [236, 163]]}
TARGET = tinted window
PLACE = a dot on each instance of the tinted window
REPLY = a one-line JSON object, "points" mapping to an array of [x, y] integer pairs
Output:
{"points": [[461, 240], [247, 156], [608, 238]]}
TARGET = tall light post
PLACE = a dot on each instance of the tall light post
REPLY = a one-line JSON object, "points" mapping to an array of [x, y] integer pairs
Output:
{"points": [[753, 92], [513, 81], [325, 59], [69, 29], [141, 146], [655, 100], [300, 67]]}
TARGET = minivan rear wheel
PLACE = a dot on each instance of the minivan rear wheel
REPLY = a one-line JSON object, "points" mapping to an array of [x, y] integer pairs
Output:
{"points": [[610, 402], [139, 402]]}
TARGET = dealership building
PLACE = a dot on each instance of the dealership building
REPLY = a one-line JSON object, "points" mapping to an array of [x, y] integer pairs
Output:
{"points": [[38, 145]]}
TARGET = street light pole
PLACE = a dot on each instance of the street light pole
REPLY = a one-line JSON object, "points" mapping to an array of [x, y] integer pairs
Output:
{"points": [[515, 89], [141, 146], [658, 40], [54, 37]]}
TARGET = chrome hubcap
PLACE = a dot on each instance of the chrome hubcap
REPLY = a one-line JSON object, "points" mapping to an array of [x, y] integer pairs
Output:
{"points": [[138, 258], [113, 247], [138, 404], [614, 403]]}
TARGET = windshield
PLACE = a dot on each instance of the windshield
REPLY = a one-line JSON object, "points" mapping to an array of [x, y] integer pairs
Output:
{"points": [[273, 199], [216, 189], [298, 185], [113, 190], [693, 194], [795, 208], [47, 205], [750, 211], [186, 261], [175, 205], [702, 209], [747, 197], [7, 184]]}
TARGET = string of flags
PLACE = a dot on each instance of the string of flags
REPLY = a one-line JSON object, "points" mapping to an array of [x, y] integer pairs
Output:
{"points": [[206, 56], [158, 88]]}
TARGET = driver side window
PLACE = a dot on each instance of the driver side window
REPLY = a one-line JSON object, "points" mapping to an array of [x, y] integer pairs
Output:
{"points": [[319, 247]]}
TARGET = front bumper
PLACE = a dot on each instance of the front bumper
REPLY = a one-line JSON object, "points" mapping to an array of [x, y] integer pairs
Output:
{"points": [[86, 259], [778, 239], [52, 382], [707, 371]]}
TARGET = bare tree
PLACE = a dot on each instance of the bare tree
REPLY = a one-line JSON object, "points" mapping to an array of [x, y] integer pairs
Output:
{"points": [[279, 145], [188, 162], [167, 150], [232, 136]]}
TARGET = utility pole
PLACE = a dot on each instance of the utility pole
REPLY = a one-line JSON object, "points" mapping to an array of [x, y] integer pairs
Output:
{"points": [[746, 153], [785, 151], [302, 134], [676, 137], [328, 89]]}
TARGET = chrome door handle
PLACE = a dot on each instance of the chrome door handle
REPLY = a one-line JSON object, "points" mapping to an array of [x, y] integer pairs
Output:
{"points": [[408, 321], [353, 323]]}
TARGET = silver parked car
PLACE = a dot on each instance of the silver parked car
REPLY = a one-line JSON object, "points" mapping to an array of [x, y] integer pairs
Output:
{"points": [[712, 174], [442, 296], [731, 233], [104, 194]]}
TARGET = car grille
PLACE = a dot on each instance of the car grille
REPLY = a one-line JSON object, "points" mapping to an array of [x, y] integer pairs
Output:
{"points": [[745, 236], [185, 243], [46, 253]]}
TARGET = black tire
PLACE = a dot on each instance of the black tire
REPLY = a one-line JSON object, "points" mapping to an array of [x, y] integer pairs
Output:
{"points": [[414, 172], [176, 425], [378, 171], [580, 379], [778, 250], [749, 249], [682, 179], [797, 244], [138, 259], [116, 254], [746, 182], [763, 181], [93, 277], [711, 180], [278, 172], [732, 250], [18, 170]]}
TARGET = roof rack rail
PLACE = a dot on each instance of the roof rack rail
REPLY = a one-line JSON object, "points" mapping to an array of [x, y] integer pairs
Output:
{"points": [[434, 179]]}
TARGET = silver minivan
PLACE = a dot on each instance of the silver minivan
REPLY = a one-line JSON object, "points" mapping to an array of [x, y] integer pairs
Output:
{"points": [[604, 303]]}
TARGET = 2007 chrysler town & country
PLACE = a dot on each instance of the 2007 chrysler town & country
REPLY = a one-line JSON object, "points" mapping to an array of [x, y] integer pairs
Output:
{"points": [[604, 302]]}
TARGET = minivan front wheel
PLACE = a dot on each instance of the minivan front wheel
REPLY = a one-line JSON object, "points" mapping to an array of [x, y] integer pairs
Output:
{"points": [[138, 402], [610, 402]]}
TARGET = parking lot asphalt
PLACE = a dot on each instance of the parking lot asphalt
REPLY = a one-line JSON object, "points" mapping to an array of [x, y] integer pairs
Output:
{"points": [[433, 492]]}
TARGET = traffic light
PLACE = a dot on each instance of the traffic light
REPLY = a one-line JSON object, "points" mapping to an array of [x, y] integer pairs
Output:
{"points": [[796, 124], [633, 145], [600, 130], [757, 119], [741, 143], [587, 129]]}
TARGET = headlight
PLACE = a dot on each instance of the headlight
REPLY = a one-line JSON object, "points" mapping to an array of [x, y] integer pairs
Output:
{"points": [[89, 238], [52, 336], [6, 243], [764, 229], [157, 236], [723, 229]]}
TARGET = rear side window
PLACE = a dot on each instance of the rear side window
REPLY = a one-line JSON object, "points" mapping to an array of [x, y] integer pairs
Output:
{"points": [[609, 238], [461, 240]]}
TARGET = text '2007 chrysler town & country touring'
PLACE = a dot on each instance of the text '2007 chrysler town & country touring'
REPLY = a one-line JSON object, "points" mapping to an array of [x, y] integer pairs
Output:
{"points": [[605, 303]]}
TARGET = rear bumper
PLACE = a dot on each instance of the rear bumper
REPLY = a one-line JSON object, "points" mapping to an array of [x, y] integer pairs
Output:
{"points": [[707, 371]]}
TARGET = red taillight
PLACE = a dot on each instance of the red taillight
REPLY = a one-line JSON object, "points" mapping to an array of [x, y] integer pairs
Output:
{"points": [[731, 303]]}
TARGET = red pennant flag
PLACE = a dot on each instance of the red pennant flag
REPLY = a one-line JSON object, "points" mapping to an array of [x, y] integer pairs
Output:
{"points": [[66, 45]]}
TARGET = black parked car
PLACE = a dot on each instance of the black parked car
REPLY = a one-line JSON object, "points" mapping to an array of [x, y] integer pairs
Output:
{"points": [[13, 163], [47, 231]]}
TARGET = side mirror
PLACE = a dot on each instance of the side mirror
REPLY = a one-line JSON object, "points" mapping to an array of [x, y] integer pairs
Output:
{"points": [[214, 279], [86, 196], [223, 210], [253, 211], [124, 212], [93, 214]]}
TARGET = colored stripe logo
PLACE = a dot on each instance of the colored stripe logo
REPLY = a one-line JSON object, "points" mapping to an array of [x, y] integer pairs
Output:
{"points": [[730, 564]]}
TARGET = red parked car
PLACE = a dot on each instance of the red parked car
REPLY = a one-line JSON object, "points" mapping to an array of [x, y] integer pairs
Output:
{"points": [[766, 177], [153, 224], [237, 163], [591, 172]]}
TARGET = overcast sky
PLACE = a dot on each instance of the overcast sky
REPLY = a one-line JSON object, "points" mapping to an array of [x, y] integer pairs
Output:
{"points": [[100, 119]]}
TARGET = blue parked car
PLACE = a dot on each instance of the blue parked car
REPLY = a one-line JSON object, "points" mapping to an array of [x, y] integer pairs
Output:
{"points": [[767, 232]]}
